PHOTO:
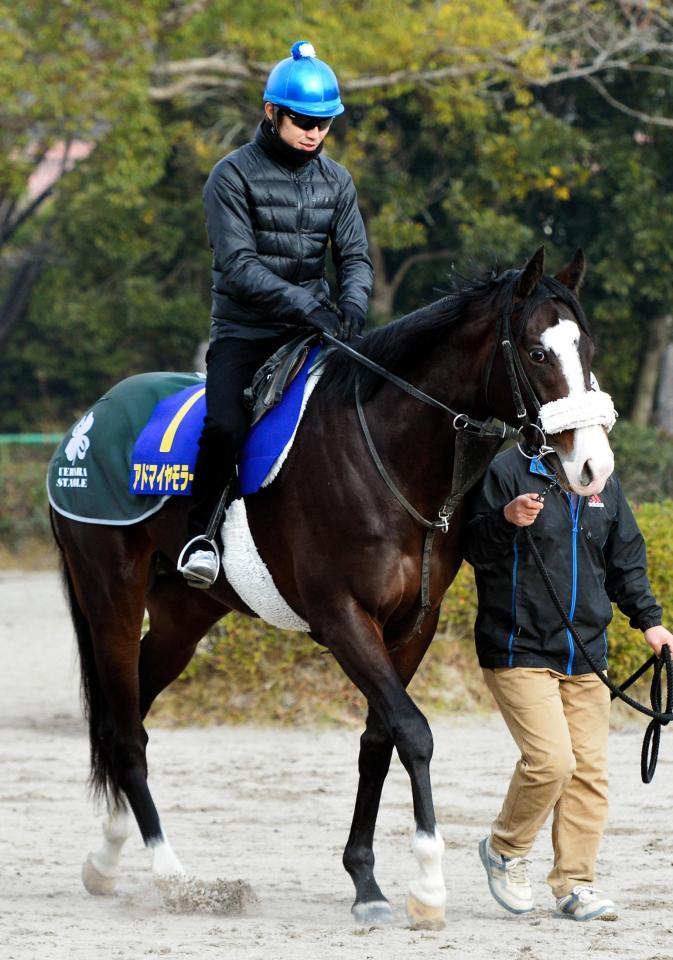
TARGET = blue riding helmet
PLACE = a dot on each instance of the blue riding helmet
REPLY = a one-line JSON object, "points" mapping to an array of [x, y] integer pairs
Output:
{"points": [[304, 84]]}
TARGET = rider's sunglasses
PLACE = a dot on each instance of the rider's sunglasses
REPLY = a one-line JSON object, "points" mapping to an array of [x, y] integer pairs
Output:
{"points": [[305, 122]]}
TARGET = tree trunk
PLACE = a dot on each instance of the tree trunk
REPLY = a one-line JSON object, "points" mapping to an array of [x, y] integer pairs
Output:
{"points": [[381, 301], [18, 295], [646, 386], [664, 416]]}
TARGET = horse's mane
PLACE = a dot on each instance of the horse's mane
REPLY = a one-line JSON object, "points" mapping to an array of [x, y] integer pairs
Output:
{"points": [[399, 344]]}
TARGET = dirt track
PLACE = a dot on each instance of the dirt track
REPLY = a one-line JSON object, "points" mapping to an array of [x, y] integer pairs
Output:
{"points": [[273, 807]]}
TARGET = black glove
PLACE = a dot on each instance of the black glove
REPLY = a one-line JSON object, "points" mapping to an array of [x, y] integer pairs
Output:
{"points": [[326, 321], [353, 320]]}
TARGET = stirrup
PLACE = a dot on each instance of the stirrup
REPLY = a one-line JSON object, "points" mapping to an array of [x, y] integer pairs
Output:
{"points": [[200, 539]]}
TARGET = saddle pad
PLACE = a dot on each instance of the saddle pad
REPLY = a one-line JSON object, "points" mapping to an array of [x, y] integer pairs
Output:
{"points": [[88, 475], [138, 444]]}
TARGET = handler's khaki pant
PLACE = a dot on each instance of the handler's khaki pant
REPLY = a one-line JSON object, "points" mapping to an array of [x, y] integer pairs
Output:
{"points": [[560, 725]]}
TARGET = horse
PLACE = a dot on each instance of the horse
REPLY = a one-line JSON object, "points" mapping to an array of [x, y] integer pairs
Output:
{"points": [[344, 553]]}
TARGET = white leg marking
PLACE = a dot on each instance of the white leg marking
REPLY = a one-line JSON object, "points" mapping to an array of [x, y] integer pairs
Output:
{"points": [[101, 868], [429, 886], [164, 862]]}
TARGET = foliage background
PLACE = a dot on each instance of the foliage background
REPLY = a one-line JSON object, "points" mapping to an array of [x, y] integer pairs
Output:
{"points": [[245, 669], [475, 131], [249, 670]]}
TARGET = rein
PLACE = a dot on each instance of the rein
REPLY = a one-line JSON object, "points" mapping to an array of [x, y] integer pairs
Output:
{"points": [[491, 427]]}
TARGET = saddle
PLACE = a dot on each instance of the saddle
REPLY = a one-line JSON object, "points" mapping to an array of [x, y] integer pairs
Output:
{"points": [[273, 377]]}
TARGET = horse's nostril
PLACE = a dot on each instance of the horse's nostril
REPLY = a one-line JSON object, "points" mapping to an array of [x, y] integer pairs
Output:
{"points": [[586, 476]]}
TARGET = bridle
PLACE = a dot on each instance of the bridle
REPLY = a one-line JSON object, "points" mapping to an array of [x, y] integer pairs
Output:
{"points": [[488, 427]]}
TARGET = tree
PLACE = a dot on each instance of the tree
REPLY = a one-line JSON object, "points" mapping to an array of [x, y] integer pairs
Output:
{"points": [[474, 130], [70, 74]]}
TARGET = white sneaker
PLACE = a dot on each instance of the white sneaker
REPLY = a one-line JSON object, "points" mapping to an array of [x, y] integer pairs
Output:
{"points": [[201, 568], [508, 879], [586, 903]]}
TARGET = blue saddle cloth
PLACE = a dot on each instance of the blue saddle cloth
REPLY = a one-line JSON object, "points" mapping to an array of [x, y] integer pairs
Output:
{"points": [[164, 455]]}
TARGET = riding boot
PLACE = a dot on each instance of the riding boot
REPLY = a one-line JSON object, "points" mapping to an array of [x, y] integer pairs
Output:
{"points": [[202, 550]]}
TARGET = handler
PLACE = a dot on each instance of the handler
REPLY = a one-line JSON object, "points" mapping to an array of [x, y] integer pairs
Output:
{"points": [[272, 206], [555, 707]]}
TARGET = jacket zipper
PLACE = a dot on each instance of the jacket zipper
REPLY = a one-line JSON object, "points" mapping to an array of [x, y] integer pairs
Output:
{"points": [[300, 213], [510, 640], [574, 513]]}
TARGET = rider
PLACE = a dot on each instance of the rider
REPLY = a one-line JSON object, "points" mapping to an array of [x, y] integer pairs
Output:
{"points": [[271, 208]]}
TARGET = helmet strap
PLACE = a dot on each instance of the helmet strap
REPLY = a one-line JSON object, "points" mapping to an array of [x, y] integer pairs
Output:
{"points": [[274, 118]]}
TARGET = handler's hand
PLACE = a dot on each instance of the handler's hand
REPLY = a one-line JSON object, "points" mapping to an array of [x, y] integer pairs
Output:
{"points": [[523, 510], [657, 637]]}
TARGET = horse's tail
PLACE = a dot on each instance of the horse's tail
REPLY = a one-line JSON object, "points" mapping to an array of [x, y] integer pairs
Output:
{"points": [[102, 778]]}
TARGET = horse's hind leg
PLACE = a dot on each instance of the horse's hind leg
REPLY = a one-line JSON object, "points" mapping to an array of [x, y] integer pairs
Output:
{"points": [[107, 574], [101, 868], [179, 617]]}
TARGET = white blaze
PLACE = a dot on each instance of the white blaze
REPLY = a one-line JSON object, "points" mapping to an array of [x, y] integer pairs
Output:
{"points": [[563, 340], [591, 449]]}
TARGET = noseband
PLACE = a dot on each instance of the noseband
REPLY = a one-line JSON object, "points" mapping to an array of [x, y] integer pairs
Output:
{"points": [[592, 407]]}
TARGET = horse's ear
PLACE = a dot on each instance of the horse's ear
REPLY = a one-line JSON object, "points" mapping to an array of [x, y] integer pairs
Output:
{"points": [[531, 274], [573, 275]]}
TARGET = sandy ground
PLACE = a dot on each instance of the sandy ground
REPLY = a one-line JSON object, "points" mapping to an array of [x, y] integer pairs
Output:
{"points": [[273, 807]]}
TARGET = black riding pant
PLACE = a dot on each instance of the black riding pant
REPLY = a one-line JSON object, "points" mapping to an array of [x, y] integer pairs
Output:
{"points": [[230, 364]]}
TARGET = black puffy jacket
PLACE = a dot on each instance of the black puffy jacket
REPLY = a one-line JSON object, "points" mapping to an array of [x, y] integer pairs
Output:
{"points": [[595, 554], [269, 227]]}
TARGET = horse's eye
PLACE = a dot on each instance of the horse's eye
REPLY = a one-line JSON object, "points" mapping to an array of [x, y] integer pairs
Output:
{"points": [[537, 355]]}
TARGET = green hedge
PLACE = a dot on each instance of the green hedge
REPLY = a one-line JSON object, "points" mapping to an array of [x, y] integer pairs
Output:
{"points": [[250, 670], [644, 458], [24, 519], [245, 669]]}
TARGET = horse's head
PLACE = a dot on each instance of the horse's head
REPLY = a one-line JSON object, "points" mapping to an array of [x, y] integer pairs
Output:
{"points": [[556, 352]]}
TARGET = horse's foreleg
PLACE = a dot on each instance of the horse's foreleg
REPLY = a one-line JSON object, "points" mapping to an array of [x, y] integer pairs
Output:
{"points": [[376, 747], [375, 751], [356, 641]]}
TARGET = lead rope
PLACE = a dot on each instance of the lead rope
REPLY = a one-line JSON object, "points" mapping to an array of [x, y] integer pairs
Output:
{"points": [[650, 751]]}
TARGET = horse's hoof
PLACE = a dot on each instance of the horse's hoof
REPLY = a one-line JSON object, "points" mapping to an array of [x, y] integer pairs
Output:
{"points": [[95, 882], [423, 917], [375, 913]]}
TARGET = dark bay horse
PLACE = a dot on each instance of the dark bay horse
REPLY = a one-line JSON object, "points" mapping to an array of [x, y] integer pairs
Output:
{"points": [[342, 552]]}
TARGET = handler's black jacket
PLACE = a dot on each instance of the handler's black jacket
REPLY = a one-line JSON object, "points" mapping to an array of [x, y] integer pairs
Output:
{"points": [[595, 554], [269, 227]]}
